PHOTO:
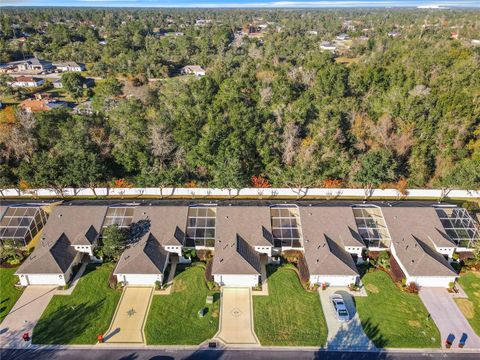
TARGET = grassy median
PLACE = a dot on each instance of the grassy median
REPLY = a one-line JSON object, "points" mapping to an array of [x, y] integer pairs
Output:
{"points": [[393, 318], [9, 294], [173, 319], [78, 318], [289, 315], [470, 282]]}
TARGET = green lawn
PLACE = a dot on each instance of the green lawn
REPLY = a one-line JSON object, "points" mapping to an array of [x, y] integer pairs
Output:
{"points": [[8, 293], [393, 318], [78, 318], [173, 319], [289, 315], [470, 282]]}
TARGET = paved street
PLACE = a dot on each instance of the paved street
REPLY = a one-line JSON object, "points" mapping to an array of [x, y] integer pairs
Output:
{"points": [[264, 354], [448, 317], [236, 317], [25, 314], [343, 335]]}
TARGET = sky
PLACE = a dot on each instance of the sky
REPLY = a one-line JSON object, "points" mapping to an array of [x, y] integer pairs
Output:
{"points": [[245, 3]]}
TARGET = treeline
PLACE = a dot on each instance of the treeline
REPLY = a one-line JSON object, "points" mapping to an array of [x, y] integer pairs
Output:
{"points": [[277, 112]]}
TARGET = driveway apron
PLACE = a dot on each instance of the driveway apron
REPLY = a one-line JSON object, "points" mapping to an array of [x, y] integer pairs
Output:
{"points": [[236, 317], [343, 335], [130, 316], [448, 317], [24, 315]]}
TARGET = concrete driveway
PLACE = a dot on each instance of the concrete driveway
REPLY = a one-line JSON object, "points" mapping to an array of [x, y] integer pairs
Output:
{"points": [[343, 335], [24, 315], [130, 316], [236, 317], [448, 317]]}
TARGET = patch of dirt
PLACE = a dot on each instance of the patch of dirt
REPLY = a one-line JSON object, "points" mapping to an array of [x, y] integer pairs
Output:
{"points": [[214, 313], [179, 286], [414, 323], [372, 288], [466, 307]]}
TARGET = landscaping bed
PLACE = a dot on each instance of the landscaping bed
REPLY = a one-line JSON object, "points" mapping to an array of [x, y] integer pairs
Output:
{"points": [[80, 317], [393, 318], [173, 319], [9, 294], [289, 315], [470, 282]]}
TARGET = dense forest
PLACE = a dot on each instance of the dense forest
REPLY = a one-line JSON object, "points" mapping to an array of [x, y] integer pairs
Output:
{"points": [[399, 106]]}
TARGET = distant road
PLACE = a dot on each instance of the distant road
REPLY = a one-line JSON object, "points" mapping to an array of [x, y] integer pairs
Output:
{"points": [[261, 354]]}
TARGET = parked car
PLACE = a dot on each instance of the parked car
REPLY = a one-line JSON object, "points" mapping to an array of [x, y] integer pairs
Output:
{"points": [[341, 311]]}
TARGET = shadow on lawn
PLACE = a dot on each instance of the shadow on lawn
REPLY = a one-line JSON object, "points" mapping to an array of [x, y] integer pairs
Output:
{"points": [[63, 325]]}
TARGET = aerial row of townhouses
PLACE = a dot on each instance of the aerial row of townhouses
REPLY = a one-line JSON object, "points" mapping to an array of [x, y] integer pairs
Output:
{"points": [[422, 238]]}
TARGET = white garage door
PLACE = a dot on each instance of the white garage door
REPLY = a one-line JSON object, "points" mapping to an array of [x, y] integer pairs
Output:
{"points": [[236, 280], [432, 281], [47, 279], [140, 279]]}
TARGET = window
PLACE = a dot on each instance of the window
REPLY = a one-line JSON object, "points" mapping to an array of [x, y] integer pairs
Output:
{"points": [[201, 226], [371, 226], [22, 223], [119, 215], [286, 226], [458, 225]]}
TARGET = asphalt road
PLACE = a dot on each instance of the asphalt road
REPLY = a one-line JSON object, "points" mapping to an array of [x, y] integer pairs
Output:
{"points": [[125, 354]]}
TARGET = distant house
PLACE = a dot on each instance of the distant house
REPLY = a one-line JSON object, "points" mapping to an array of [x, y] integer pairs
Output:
{"points": [[393, 34], [35, 64], [475, 42], [46, 104], [57, 84], [312, 32], [326, 45], [27, 81], [70, 66], [343, 37], [193, 70]]}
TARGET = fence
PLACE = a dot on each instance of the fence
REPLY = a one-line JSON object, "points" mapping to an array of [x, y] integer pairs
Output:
{"points": [[247, 193]]}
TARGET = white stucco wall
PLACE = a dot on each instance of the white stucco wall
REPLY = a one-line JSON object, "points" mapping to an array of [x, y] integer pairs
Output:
{"points": [[357, 250], [139, 279], [333, 280], [174, 249], [84, 249], [236, 280]]}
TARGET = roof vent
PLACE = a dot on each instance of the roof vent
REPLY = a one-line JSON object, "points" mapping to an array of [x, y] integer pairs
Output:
{"points": [[310, 205], [318, 260], [149, 204], [60, 215], [144, 213], [221, 260]]}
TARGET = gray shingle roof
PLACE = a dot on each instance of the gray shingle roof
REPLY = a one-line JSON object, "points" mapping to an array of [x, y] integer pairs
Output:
{"points": [[54, 253], [419, 258], [145, 257], [238, 230], [421, 222], [326, 231], [167, 223]]}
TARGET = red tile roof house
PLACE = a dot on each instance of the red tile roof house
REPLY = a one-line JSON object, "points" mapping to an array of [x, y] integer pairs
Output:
{"points": [[27, 81], [421, 236]]}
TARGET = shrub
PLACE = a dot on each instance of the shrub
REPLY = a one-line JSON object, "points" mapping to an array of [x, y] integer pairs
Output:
{"points": [[412, 288], [14, 261], [455, 256], [112, 281], [211, 285], [158, 285], [292, 256], [384, 260], [404, 282]]}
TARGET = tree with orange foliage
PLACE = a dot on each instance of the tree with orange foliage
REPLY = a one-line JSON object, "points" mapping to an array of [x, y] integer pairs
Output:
{"points": [[333, 183], [121, 183], [259, 182], [191, 184]]}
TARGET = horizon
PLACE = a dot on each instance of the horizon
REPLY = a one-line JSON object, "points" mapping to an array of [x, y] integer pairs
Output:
{"points": [[244, 4]]}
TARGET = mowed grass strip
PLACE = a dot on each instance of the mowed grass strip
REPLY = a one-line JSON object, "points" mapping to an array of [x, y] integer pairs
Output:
{"points": [[470, 282], [173, 319], [289, 315], [393, 318], [9, 294], [80, 317]]}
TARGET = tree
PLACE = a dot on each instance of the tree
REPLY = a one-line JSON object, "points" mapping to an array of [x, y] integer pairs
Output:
{"points": [[476, 251], [376, 167], [73, 82], [114, 242]]}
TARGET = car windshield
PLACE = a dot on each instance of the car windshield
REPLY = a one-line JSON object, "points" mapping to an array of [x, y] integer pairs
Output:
{"points": [[342, 312]]}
